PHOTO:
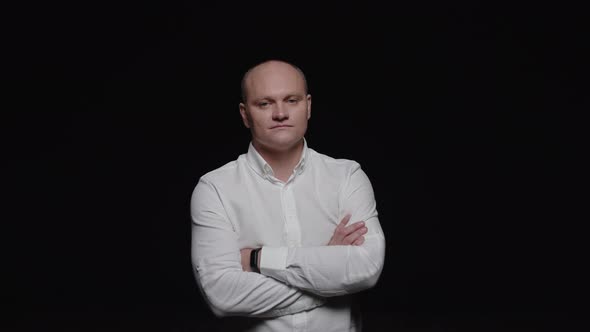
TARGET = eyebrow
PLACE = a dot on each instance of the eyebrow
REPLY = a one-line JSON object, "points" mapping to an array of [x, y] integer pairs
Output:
{"points": [[291, 95], [261, 99]]}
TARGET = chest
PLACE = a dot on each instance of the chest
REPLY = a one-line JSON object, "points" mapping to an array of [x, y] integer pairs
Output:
{"points": [[300, 214]]}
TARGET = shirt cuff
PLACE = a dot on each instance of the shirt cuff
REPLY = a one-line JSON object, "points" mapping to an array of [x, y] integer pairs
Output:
{"points": [[273, 260]]}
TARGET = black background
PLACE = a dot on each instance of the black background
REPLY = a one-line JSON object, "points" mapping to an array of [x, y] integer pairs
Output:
{"points": [[464, 116]]}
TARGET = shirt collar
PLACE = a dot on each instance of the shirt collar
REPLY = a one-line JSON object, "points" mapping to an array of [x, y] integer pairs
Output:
{"points": [[263, 168]]}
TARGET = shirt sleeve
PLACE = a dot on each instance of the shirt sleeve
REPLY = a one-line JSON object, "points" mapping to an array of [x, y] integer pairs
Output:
{"points": [[335, 270], [216, 261]]}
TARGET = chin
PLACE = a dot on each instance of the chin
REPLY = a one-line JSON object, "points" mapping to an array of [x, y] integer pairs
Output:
{"points": [[283, 144]]}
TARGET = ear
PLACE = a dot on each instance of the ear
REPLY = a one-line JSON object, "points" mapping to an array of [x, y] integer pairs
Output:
{"points": [[244, 115], [308, 106]]}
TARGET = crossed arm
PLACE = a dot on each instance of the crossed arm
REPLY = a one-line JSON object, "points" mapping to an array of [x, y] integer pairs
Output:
{"points": [[343, 236], [350, 262]]}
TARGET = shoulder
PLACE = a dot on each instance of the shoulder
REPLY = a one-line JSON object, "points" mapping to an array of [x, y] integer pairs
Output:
{"points": [[210, 183], [336, 166], [228, 173], [220, 173]]}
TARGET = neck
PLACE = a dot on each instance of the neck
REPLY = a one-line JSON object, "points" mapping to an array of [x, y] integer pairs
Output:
{"points": [[282, 162]]}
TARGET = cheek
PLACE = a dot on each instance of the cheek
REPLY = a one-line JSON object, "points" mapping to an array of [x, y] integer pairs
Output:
{"points": [[302, 116], [259, 124], [256, 119]]}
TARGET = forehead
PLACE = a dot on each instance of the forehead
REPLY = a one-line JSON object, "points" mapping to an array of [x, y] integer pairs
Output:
{"points": [[274, 79]]}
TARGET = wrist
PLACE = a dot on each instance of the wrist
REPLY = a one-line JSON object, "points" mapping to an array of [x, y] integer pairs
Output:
{"points": [[255, 260]]}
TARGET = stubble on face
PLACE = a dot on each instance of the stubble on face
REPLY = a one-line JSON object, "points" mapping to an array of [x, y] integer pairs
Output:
{"points": [[268, 86]]}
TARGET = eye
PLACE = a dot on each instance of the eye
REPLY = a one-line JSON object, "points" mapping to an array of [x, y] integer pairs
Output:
{"points": [[292, 101], [263, 104]]}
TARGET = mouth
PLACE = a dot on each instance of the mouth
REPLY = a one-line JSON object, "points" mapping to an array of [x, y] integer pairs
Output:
{"points": [[280, 126]]}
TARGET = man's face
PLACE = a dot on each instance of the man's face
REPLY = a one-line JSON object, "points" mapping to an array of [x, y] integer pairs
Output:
{"points": [[277, 107]]}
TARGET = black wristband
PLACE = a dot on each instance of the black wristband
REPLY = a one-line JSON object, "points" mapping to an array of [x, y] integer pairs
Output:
{"points": [[254, 260]]}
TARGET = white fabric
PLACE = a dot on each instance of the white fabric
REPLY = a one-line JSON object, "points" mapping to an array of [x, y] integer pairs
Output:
{"points": [[304, 284]]}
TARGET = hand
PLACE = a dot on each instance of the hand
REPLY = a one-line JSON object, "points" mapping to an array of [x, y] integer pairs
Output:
{"points": [[348, 235], [245, 253]]}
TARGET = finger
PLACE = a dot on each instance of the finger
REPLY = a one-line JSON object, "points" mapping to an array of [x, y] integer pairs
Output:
{"points": [[355, 235], [352, 228], [359, 241], [344, 220], [343, 231], [339, 232]]}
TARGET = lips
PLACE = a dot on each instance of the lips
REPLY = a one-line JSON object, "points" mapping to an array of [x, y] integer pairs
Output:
{"points": [[281, 126]]}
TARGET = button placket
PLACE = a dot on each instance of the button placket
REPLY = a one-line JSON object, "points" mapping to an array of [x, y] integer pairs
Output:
{"points": [[292, 223]]}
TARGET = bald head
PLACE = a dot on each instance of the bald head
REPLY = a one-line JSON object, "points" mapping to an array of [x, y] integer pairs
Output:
{"points": [[270, 66]]}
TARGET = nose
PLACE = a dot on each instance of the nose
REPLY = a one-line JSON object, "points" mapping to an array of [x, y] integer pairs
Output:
{"points": [[280, 113]]}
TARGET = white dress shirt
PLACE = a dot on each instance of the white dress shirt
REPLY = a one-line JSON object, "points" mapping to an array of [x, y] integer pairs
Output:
{"points": [[304, 285]]}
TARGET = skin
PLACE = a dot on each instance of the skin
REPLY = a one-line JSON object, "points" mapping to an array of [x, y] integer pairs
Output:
{"points": [[276, 110], [276, 96]]}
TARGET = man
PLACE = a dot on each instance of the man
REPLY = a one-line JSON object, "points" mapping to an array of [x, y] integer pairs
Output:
{"points": [[271, 231]]}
